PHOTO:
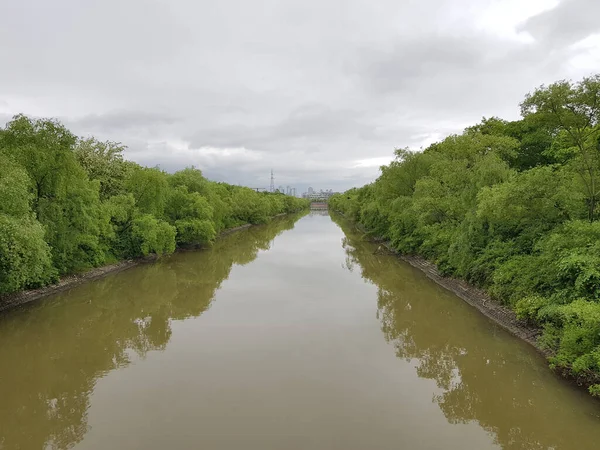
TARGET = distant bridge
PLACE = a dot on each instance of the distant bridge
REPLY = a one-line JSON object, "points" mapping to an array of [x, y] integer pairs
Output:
{"points": [[319, 206]]}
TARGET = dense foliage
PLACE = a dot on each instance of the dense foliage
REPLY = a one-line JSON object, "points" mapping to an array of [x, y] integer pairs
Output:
{"points": [[70, 204], [511, 207]]}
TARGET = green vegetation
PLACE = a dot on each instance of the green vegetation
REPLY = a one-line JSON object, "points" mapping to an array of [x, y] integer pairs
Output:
{"points": [[70, 204], [512, 207]]}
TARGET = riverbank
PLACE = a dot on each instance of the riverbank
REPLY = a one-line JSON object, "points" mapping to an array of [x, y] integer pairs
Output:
{"points": [[474, 296], [116, 348], [68, 282], [479, 299], [16, 299]]}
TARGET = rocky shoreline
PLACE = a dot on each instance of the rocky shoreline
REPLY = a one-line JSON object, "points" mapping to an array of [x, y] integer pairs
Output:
{"points": [[20, 298], [479, 299]]}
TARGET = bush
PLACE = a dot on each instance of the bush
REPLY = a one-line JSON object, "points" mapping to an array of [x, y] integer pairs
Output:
{"points": [[195, 232], [528, 308], [25, 260], [151, 235]]}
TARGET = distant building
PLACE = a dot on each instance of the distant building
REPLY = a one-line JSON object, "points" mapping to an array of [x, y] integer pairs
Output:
{"points": [[287, 190], [311, 194]]}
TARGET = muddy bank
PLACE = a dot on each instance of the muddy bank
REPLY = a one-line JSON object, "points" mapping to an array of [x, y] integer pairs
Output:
{"points": [[68, 282], [500, 314], [477, 298], [65, 283]]}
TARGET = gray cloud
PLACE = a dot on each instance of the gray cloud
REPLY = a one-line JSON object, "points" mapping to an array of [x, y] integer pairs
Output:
{"points": [[320, 91], [410, 59], [442, 76], [116, 121], [568, 23], [303, 129]]}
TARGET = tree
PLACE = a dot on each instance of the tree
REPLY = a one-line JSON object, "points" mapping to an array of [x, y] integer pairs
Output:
{"points": [[529, 204], [149, 188], [15, 189], [64, 200], [24, 255], [150, 235], [25, 260], [103, 161], [181, 204], [534, 135], [192, 216], [575, 109], [44, 149], [192, 179], [195, 231]]}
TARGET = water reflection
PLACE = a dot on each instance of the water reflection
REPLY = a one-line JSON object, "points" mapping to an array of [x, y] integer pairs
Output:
{"points": [[482, 375], [318, 212], [59, 348], [291, 356]]}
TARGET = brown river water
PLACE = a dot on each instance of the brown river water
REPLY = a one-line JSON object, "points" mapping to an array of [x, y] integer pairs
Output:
{"points": [[292, 335]]}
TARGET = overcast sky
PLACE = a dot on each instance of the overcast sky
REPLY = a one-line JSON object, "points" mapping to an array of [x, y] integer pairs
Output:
{"points": [[320, 91]]}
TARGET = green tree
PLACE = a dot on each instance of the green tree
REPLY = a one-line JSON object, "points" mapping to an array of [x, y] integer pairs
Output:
{"points": [[574, 108], [529, 204], [64, 200], [194, 231], [181, 204], [192, 179], [535, 139], [149, 188], [25, 260], [24, 255], [103, 161], [151, 235], [15, 189], [192, 216]]}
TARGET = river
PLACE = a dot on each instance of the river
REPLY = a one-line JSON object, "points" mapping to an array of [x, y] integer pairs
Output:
{"points": [[292, 335]]}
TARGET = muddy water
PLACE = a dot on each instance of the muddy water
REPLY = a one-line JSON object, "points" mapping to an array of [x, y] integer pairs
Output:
{"points": [[293, 335]]}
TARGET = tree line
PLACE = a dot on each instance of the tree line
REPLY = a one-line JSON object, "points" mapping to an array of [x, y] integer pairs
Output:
{"points": [[69, 204], [512, 207]]}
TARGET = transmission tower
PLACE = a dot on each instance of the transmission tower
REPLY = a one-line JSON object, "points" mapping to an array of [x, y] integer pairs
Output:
{"points": [[272, 188]]}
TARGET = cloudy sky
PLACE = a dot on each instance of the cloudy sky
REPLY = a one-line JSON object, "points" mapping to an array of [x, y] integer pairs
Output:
{"points": [[320, 91]]}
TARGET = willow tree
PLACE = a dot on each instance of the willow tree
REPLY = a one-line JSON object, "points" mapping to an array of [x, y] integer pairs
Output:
{"points": [[24, 255], [103, 161], [64, 200]]}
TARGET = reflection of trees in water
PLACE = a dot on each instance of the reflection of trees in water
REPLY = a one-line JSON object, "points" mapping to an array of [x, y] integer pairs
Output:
{"points": [[318, 212], [53, 352], [482, 378]]}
